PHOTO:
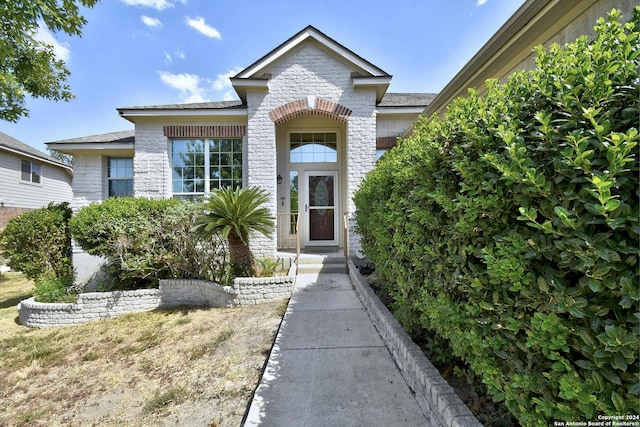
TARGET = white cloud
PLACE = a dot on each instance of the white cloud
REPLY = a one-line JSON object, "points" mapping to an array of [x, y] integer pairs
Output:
{"points": [[60, 49], [230, 95], [481, 2], [155, 4], [202, 27], [151, 22], [222, 81], [187, 84], [168, 57]]}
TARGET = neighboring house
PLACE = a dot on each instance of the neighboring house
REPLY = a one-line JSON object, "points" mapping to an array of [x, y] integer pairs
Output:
{"points": [[29, 179], [536, 22], [311, 120]]}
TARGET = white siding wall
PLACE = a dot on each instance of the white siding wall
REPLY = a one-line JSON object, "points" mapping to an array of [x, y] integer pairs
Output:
{"points": [[310, 71], [55, 185], [393, 126], [583, 25]]}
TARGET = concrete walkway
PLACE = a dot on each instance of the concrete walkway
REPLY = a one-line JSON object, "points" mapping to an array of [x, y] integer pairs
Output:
{"points": [[329, 366]]}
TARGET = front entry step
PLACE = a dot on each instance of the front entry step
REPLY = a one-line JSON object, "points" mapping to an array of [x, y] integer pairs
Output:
{"points": [[317, 263]]}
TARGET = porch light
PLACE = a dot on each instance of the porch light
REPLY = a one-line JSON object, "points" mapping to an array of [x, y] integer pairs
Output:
{"points": [[279, 179]]}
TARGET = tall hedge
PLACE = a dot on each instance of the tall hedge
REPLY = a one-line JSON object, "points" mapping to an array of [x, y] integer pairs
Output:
{"points": [[146, 240], [38, 242], [509, 227]]}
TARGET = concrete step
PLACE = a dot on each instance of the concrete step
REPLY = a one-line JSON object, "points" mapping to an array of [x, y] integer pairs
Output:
{"points": [[322, 268], [316, 263]]}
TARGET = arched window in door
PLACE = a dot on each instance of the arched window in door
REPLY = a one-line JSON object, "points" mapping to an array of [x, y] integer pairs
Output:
{"points": [[313, 147]]}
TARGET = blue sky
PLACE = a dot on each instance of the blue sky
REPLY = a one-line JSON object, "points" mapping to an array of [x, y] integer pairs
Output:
{"points": [[147, 52]]}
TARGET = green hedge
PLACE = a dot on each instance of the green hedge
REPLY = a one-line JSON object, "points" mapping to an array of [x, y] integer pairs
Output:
{"points": [[510, 228], [38, 242], [146, 240]]}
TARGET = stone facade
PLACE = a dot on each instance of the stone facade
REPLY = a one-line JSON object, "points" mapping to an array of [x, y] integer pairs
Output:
{"points": [[311, 73], [310, 82]]}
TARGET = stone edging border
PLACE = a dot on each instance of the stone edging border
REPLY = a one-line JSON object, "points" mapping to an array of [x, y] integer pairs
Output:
{"points": [[437, 399], [171, 293]]}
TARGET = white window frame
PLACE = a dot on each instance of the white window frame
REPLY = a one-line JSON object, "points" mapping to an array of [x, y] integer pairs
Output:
{"points": [[126, 178], [35, 170], [207, 164]]}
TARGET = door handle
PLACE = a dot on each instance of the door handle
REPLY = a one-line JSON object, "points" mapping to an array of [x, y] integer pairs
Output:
{"points": [[306, 208]]}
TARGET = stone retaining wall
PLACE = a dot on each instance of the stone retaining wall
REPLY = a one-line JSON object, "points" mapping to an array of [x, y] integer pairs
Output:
{"points": [[435, 396], [172, 293]]}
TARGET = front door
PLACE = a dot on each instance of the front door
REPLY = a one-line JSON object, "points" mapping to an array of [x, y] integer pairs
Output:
{"points": [[321, 210]]}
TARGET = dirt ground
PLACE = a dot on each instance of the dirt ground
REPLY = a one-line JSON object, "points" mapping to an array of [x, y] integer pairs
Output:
{"points": [[187, 367]]}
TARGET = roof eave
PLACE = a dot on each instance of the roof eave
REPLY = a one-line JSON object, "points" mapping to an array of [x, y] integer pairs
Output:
{"points": [[37, 158], [71, 148], [243, 85], [532, 24], [414, 110], [379, 83], [131, 114], [263, 64]]}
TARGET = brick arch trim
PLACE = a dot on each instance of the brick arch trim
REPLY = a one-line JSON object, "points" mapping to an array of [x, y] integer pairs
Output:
{"points": [[310, 106]]}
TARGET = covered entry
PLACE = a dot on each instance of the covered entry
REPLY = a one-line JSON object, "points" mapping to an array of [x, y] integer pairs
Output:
{"points": [[311, 163]]}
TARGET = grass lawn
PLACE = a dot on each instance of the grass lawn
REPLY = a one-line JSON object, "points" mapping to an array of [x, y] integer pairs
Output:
{"points": [[187, 366]]}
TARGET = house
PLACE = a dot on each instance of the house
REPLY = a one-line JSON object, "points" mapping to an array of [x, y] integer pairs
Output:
{"points": [[311, 120], [29, 179]]}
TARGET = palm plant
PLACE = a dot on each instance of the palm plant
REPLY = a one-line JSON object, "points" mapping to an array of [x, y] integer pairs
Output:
{"points": [[235, 214]]}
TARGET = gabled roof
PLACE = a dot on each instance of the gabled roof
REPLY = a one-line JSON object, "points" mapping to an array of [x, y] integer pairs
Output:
{"points": [[360, 64], [11, 144], [365, 74]]}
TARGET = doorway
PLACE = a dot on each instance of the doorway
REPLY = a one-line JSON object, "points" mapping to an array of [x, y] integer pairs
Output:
{"points": [[321, 208]]}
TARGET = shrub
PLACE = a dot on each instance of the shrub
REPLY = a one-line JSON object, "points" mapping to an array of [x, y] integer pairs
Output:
{"points": [[510, 228], [145, 240], [49, 288], [38, 243]]}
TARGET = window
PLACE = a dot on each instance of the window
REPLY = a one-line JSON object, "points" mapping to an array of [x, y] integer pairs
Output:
{"points": [[120, 176], [30, 171], [202, 165], [313, 147]]}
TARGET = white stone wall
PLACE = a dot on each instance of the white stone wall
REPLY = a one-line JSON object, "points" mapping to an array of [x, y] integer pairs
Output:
{"points": [[261, 164], [172, 293], [151, 163], [89, 179], [309, 71]]}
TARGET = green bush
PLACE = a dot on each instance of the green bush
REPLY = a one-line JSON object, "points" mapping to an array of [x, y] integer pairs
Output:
{"points": [[145, 240], [38, 243], [510, 228], [49, 288]]}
